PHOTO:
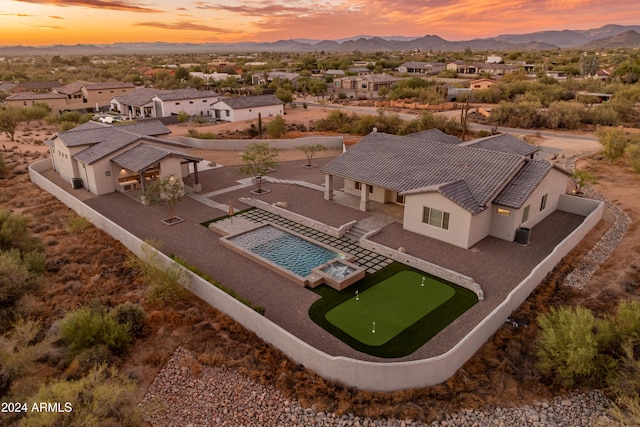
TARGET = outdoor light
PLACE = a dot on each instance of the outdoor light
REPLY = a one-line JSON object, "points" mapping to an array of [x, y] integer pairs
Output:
{"points": [[123, 171]]}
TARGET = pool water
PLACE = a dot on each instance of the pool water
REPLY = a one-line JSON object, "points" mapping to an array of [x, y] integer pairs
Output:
{"points": [[285, 249]]}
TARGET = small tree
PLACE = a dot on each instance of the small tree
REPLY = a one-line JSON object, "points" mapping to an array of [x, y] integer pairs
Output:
{"points": [[276, 127], [581, 178], [309, 150], [258, 159], [171, 191], [10, 117]]}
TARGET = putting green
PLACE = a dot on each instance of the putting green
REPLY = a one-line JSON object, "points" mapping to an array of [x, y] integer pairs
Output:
{"points": [[393, 304]]}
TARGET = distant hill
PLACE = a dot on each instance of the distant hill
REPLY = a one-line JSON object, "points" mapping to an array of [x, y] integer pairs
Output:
{"points": [[629, 38], [603, 37]]}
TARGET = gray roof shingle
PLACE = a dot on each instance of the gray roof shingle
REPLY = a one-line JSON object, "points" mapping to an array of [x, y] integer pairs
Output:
{"points": [[504, 143], [404, 164], [91, 134], [437, 135], [522, 185], [143, 156]]}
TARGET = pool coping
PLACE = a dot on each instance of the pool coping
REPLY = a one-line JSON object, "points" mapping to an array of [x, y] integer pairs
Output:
{"points": [[312, 280]]}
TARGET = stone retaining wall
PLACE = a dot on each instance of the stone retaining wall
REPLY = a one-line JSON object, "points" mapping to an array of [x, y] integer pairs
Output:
{"points": [[420, 264], [365, 375]]}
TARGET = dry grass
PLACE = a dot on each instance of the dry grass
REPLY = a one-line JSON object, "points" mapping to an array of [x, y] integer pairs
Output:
{"points": [[91, 268]]}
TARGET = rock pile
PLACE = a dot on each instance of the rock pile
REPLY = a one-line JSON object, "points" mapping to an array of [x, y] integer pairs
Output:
{"points": [[188, 394]]}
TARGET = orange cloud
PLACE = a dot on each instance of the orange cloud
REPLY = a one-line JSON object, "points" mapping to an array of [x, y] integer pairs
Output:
{"points": [[184, 26], [100, 4]]}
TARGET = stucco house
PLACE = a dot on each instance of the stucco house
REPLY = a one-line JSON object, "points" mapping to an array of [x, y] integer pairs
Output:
{"points": [[148, 102], [413, 67], [456, 192], [369, 83], [28, 99], [104, 158], [89, 95], [481, 84], [247, 108]]}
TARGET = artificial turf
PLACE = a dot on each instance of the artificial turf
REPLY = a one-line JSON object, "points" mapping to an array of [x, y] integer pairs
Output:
{"points": [[383, 311], [408, 336]]}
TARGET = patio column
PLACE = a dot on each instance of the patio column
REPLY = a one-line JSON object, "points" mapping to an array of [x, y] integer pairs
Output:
{"points": [[328, 186], [364, 197], [197, 186]]}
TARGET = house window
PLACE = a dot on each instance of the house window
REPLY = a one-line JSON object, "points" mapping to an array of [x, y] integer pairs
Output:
{"points": [[400, 199], [177, 103], [543, 202], [358, 185], [227, 112], [435, 217], [525, 214], [107, 173], [505, 212]]}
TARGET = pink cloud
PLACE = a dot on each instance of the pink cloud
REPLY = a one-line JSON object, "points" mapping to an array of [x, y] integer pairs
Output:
{"points": [[100, 4]]}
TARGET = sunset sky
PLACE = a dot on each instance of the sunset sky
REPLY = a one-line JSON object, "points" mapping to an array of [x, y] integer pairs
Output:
{"points": [[44, 22]]}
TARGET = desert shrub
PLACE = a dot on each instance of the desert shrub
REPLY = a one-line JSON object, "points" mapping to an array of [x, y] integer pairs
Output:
{"points": [[132, 315], [565, 115], [77, 224], [102, 397], [183, 116], [165, 282], [86, 328], [65, 125], [36, 262], [614, 142], [3, 165], [21, 348], [15, 281], [14, 232], [276, 127], [604, 115], [568, 348], [523, 114], [633, 153]]}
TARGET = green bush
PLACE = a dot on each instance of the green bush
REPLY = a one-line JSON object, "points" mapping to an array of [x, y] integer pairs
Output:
{"points": [[3, 165], [102, 397], [14, 232], [85, 328], [276, 127], [614, 142], [77, 224], [568, 348], [15, 281], [132, 315], [633, 153]]}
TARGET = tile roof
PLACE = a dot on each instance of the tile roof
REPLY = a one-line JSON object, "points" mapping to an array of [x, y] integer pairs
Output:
{"points": [[138, 97], [173, 95], [72, 87], [522, 185], [504, 143], [437, 135], [109, 85], [251, 101], [91, 134], [142, 96], [410, 165], [34, 96], [143, 156]]}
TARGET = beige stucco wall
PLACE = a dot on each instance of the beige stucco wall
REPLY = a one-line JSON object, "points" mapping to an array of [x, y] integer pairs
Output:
{"points": [[553, 185], [102, 96], [378, 194], [247, 113], [54, 103], [460, 221], [193, 107]]}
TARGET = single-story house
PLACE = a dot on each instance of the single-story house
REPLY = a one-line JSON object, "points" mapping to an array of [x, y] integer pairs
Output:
{"points": [[28, 99], [263, 79], [481, 84], [413, 67], [105, 158], [369, 83], [148, 102], [247, 108], [456, 193]]}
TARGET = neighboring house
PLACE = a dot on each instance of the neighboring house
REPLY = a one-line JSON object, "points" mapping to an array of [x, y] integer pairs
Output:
{"points": [[334, 73], [413, 67], [481, 84], [72, 91], [247, 108], [359, 71], [494, 59], [147, 102], [369, 83], [456, 193], [6, 87], [27, 99], [83, 95], [34, 86], [263, 79], [105, 158], [488, 68]]}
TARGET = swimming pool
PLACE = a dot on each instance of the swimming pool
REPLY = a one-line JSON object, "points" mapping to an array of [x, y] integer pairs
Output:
{"points": [[285, 252]]}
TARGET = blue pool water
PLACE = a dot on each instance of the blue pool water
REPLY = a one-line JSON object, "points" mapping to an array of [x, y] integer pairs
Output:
{"points": [[285, 249]]}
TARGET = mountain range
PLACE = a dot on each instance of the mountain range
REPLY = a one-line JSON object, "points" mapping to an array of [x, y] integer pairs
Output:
{"points": [[608, 36]]}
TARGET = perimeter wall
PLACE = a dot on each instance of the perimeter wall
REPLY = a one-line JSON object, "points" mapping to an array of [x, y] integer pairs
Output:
{"points": [[363, 375]]}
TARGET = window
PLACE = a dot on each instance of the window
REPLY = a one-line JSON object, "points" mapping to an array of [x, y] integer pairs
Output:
{"points": [[358, 185], [505, 212], [400, 199], [525, 214], [543, 202], [107, 173], [435, 217], [177, 103]]}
